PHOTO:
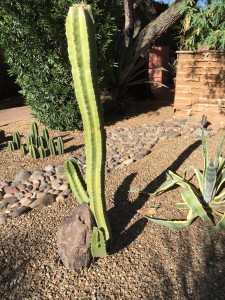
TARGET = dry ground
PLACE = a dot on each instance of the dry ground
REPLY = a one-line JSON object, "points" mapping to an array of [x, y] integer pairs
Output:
{"points": [[145, 261]]}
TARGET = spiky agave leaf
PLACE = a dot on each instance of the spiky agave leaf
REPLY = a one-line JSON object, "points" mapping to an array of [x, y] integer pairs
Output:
{"points": [[209, 182]]}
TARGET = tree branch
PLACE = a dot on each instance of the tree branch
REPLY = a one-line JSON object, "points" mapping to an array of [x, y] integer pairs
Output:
{"points": [[156, 28]]}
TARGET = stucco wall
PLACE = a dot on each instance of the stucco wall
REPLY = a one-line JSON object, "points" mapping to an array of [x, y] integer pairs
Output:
{"points": [[200, 84]]}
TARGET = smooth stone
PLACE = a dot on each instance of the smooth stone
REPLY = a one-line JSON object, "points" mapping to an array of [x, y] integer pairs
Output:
{"points": [[23, 175], [8, 196], [39, 177], [3, 205], [55, 192], [21, 186], [59, 170], [42, 188], [11, 200], [60, 197], [25, 201], [29, 187], [28, 195], [66, 192], [56, 184], [20, 211], [46, 200], [172, 134], [50, 168], [128, 162], [1, 194], [64, 187], [3, 219], [3, 184], [14, 206], [40, 194], [47, 189], [74, 238], [10, 189]]}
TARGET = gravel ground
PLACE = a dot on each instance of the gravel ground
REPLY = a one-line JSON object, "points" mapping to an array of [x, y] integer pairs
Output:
{"points": [[145, 261]]}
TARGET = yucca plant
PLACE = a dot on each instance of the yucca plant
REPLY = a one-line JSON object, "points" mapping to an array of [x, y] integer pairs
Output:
{"points": [[207, 201]]}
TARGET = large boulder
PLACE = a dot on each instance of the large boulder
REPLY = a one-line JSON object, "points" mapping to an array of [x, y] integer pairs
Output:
{"points": [[74, 238]]}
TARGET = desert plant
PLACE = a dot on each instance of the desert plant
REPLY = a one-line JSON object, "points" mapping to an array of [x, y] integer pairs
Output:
{"points": [[125, 71], [41, 144], [33, 41], [207, 201], [80, 32]]}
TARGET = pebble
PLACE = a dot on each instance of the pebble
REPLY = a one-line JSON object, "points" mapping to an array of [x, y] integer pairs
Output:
{"points": [[124, 146]]}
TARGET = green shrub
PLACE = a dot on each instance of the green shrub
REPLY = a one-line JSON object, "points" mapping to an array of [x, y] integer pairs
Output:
{"points": [[202, 26], [32, 37]]}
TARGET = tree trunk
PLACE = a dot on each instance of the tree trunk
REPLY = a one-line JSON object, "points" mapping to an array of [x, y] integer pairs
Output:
{"points": [[156, 28], [129, 21]]}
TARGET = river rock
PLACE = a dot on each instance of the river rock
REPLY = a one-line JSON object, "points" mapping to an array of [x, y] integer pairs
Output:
{"points": [[23, 175], [74, 238], [46, 200], [20, 211]]}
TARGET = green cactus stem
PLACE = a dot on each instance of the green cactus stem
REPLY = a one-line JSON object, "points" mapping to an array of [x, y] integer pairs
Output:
{"points": [[23, 149], [60, 146], [11, 146], [33, 151], [52, 147], [30, 140], [45, 135], [17, 139], [34, 132], [42, 142], [80, 32], [42, 152]]}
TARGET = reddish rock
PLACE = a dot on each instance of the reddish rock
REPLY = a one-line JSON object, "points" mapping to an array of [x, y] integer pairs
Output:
{"points": [[10, 189], [74, 238]]}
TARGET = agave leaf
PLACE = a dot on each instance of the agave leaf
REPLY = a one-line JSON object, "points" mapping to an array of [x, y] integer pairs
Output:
{"points": [[216, 161], [175, 225], [205, 151], [182, 205], [194, 204], [143, 81], [221, 164], [217, 204], [219, 197], [219, 226], [199, 176], [222, 180], [164, 186], [209, 182]]}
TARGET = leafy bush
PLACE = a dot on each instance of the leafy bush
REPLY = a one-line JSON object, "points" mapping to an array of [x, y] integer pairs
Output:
{"points": [[207, 201], [202, 26], [32, 37]]}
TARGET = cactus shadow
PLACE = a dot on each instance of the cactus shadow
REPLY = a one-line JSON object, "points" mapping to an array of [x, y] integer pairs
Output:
{"points": [[124, 210], [73, 148]]}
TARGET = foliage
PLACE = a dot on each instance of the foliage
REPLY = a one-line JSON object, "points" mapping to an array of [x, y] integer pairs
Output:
{"points": [[82, 55], [202, 26], [125, 70], [207, 201], [37, 146], [33, 40]]}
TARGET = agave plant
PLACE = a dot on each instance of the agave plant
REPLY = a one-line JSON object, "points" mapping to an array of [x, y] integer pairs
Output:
{"points": [[126, 71], [207, 201]]}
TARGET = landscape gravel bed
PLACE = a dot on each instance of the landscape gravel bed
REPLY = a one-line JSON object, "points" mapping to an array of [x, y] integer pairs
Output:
{"points": [[145, 261]]}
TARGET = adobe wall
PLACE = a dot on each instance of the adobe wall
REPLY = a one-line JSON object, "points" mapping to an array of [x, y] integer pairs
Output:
{"points": [[200, 84]]}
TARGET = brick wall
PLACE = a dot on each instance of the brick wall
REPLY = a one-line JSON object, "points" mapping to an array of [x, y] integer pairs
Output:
{"points": [[200, 84]]}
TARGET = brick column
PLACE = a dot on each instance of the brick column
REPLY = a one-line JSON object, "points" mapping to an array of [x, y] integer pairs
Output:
{"points": [[200, 84]]}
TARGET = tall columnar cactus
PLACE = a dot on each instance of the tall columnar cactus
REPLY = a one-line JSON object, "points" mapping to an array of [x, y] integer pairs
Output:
{"points": [[80, 32]]}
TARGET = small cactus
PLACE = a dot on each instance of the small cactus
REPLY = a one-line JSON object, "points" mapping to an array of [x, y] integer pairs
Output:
{"points": [[45, 135], [60, 146], [52, 147], [30, 140], [11, 146], [23, 149], [34, 131], [42, 152], [42, 142], [33, 151], [17, 139]]}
